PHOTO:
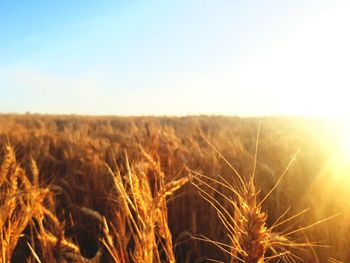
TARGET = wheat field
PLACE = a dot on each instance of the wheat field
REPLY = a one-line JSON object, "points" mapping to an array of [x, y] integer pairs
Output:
{"points": [[172, 189]]}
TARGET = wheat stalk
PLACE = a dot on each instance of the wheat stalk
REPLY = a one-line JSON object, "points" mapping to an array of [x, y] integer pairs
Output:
{"points": [[246, 224]]}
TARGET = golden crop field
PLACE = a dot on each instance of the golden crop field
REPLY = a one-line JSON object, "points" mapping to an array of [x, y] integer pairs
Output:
{"points": [[173, 189]]}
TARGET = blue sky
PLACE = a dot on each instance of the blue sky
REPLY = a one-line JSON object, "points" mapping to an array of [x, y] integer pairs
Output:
{"points": [[175, 57]]}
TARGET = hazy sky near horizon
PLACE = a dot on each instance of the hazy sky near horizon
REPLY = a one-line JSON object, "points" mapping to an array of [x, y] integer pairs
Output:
{"points": [[175, 57]]}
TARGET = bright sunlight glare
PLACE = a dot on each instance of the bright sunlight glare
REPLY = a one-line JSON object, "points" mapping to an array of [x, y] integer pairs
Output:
{"points": [[339, 163], [345, 148]]}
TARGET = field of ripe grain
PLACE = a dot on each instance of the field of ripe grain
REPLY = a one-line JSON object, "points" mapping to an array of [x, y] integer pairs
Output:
{"points": [[172, 189]]}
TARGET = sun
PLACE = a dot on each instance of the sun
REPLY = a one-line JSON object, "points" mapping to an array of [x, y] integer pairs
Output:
{"points": [[341, 156], [343, 125], [345, 147]]}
